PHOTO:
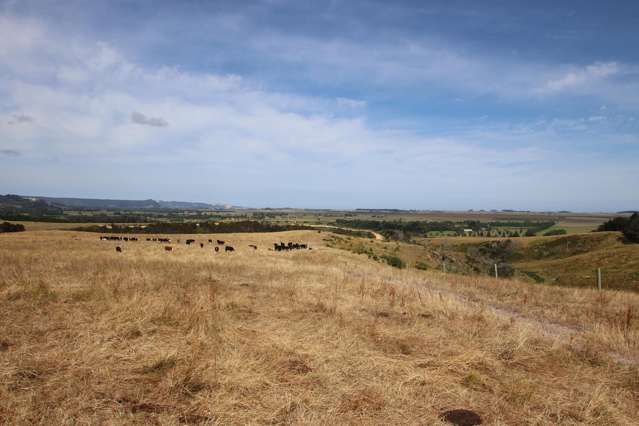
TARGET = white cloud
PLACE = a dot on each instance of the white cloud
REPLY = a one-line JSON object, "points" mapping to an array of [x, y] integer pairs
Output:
{"points": [[229, 136], [581, 77]]}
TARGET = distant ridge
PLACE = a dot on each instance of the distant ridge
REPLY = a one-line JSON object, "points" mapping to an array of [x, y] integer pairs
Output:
{"points": [[108, 204]]}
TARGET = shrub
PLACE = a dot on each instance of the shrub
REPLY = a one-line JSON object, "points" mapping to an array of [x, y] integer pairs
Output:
{"points": [[11, 227], [631, 231], [614, 224], [421, 265], [394, 261], [628, 226], [558, 231]]}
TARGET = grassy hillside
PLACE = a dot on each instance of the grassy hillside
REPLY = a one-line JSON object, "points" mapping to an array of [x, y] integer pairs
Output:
{"points": [[570, 260], [573, 260], [320, 336]]}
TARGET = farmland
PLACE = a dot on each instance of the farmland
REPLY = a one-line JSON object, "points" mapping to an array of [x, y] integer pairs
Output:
{"points": [[317, 336]]}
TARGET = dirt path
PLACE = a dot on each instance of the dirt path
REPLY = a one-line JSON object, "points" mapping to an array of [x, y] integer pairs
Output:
{"points": [[378, 236]]}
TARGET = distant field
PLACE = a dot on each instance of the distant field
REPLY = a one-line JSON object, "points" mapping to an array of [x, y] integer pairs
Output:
{"points": [[571, 222], [51, 226], [585, 220], [322, 336]]}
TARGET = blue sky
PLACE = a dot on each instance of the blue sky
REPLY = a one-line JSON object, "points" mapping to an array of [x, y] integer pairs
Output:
{"points": [[343, 104]]}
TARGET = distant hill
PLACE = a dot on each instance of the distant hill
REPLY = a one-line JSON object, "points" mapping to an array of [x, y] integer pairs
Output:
{"points": [[107, 204], [11, 204]]}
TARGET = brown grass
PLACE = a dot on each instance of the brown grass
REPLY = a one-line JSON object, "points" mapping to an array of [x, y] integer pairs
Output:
{"points": [[91, 336]]}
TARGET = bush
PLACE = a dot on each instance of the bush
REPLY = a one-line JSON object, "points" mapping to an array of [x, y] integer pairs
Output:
{"points": [[394, 261], [422, 266], [11, 227], [557, 231], [628, 226], [614, 224], [631, 231]]}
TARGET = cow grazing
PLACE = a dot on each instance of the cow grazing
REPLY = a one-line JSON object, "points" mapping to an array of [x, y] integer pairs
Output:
{"points": [[229, 248], [220, 242], [290, 246], [111, 238], [118, 249], [201, 245], [254, 247], [168, 248], [210, 241]]}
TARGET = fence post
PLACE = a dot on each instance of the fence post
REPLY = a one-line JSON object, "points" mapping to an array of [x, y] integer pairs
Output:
{"points": [[599, 278], [496, 273]]}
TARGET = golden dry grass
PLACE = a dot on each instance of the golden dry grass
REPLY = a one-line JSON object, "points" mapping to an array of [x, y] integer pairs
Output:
{"points": [[91, 336]]}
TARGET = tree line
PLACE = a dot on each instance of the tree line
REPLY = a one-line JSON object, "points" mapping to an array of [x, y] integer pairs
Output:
{"points": [[194, 228], [11, 227], [400, 229], [628, 226]]}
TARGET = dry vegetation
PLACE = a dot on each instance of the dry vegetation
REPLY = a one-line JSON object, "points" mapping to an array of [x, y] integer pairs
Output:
{"points": [[91, 336], [567, 260]]}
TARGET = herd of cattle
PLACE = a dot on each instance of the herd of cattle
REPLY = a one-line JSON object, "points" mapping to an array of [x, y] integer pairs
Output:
{"points": [[227, 248], [290, 246]]}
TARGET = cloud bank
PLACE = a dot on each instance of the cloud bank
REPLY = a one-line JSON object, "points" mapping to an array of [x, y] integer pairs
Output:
{"points": [[95, 112]]}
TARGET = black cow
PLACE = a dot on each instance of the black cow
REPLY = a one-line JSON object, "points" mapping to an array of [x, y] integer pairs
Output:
{"points": [[229, 248], [201, 245], [290, 246], [217, 249], [168, 248], [254, 247], [210, 241], [118, 249], [220, 242]]}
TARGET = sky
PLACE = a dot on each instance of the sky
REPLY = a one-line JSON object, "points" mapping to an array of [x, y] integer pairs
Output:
{"points": [[336, 104]]}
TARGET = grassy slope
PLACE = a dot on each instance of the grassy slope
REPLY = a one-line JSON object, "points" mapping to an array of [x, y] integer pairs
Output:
{"points": [[570, 260], [311, 337], [573, 260]]}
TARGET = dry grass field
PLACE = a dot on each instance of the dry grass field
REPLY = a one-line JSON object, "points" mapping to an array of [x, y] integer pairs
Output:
{"points": [[322, 336]]}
